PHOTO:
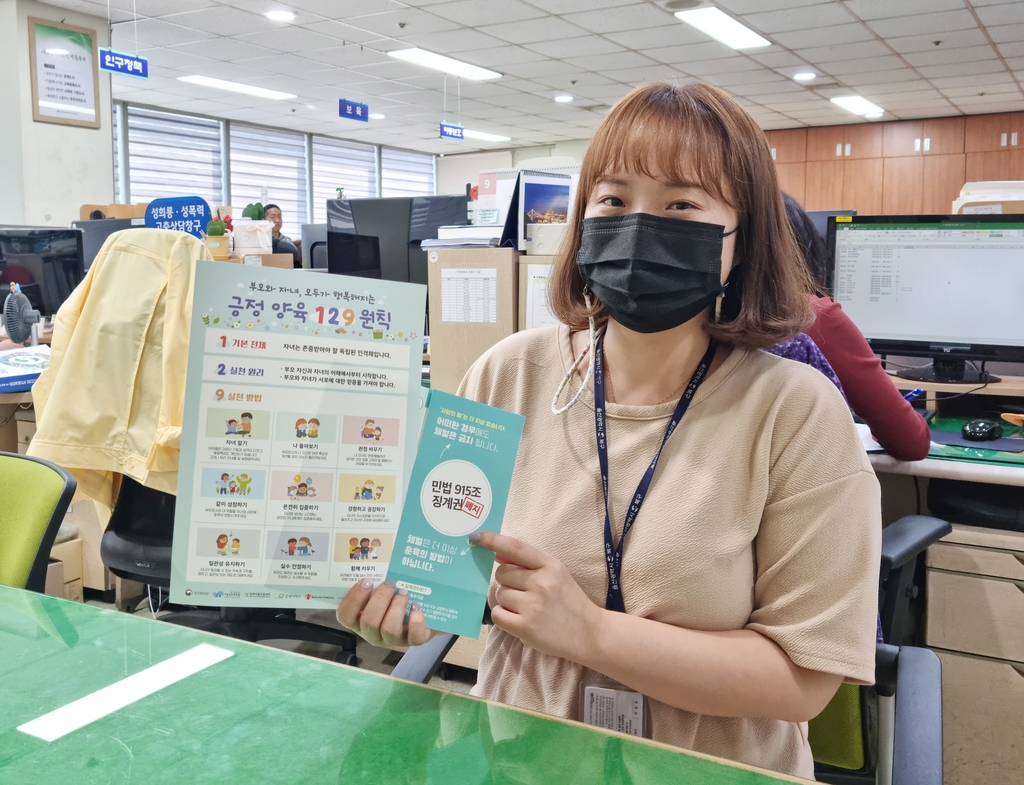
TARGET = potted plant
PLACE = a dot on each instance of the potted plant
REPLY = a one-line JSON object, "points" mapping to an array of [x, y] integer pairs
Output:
{"points": [[217, 238]]}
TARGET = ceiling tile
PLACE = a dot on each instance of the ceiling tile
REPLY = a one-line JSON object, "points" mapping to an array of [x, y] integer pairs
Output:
{"points": [[821, 15], [158, 33], [346, 56], [981, 82], [530, 31], [476, 13], [780, 59], [991, 90], [857, 51], [226, 21], [343, 32], [1014, 49], [1005, 14], [663, 35], [1006, 33], [610, 62], [886, 9], [329, 9], [690, 53], [390, 23], [224, 49], [962, 69], [845, 67], [568, 6], [163, 58], [754, 6], [942, 22], [825, 36], [451, 41], [873, 77], [656, 72], [926, 43], [290, 39], [540, 68], [576, 47], [501, 56], [944, 56], [630, 17]]}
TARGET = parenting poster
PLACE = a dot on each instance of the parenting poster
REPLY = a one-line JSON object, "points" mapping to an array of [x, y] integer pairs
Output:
{"points": [[302, 413]]}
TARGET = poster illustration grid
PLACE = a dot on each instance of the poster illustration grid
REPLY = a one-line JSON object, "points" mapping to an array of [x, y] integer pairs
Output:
{"points": [[302, 413]]}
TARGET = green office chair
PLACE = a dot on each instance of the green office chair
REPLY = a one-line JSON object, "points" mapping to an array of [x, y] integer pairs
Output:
{"points": [[891, 733], [34, 495]]}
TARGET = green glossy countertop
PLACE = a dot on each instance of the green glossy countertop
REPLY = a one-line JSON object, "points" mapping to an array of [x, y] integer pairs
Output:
{"points": [[267, 716]]}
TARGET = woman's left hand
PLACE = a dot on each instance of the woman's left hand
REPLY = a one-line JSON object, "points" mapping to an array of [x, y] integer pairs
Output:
{"points": [[538, 600]]}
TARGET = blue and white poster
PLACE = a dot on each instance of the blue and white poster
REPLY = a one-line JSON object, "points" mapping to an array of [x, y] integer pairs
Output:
{"points": [[353, 110], [124, 64], [302, 412], [452, 131]]}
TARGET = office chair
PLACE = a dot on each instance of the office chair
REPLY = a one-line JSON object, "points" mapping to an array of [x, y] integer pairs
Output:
{"points": [[890, 733], [137, 546], [34, 496]]}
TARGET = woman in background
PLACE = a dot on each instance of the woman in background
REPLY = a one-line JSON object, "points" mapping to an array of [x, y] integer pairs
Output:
{"points": [[870, 392]]}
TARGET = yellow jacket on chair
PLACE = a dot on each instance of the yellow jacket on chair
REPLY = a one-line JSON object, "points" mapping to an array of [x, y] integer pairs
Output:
{"points": [[111, 401]]}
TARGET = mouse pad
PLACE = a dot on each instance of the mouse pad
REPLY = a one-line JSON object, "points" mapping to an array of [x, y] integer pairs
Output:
{"points": [[953, 438]]}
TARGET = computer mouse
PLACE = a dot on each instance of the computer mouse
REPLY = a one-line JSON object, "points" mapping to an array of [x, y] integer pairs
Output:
{"points": [[981, 430]]}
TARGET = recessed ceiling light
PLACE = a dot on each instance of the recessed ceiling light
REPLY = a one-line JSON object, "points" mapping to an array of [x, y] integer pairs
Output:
{"points": [[873, 115], [857, 105], [722, 27], [444, 64], [56, 51], [236, 87], [563, 99], [375, 116], [483, 136], [805, 76], [280, 16]]}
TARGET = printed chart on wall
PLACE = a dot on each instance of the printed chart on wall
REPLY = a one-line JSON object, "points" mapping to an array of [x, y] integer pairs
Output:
{"points": [[302, 413]]}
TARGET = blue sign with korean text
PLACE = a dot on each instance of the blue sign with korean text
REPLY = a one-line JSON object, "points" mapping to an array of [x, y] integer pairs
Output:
{"points": [[126, 65], [451, 131], [353, 110], [182, 213]]}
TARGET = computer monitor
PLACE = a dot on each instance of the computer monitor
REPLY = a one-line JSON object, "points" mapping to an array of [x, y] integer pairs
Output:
{"points": [[353, 254], [46, 262], [820, 218], [948, 287], [314, 246], [96, 232]]}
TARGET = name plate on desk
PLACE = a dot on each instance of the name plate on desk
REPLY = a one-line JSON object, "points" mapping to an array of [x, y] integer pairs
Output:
{"points": [[302, 413]]}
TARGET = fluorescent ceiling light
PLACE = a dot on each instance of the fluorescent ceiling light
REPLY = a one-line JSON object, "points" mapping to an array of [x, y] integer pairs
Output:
{"points": [[375, 116], [857, 105], [280, 16], [485, 137], [447, 65], [55, 51], [236, 87], [722, 27], [563, 99], [873, 115], [805, 76]]}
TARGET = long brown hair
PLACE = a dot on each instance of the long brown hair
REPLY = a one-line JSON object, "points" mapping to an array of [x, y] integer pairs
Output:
{"points": [[696, 133]]}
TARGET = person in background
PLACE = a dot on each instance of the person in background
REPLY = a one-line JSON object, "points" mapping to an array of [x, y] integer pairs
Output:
{"points": [[870, 392], [282, 243]]}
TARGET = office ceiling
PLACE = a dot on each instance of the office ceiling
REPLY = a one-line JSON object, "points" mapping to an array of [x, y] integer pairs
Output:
{"points": [[914, 58]]}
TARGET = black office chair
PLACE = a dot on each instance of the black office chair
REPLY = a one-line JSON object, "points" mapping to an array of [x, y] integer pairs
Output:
{"points": [[137, 546], [895, 725]]}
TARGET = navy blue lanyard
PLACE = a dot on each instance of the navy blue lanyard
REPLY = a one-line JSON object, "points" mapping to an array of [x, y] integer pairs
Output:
{"points": [[612, 554]]}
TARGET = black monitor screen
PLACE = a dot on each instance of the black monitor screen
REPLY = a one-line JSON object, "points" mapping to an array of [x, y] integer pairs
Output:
{"points": [[932, 285], [820, 218], [46, 263], [353, 254]]}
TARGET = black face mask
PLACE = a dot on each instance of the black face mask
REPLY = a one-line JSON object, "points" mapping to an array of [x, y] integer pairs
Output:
{"points": [[652, 273]]}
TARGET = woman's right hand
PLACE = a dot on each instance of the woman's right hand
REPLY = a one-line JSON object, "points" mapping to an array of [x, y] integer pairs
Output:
{"points": [[378, 615]]}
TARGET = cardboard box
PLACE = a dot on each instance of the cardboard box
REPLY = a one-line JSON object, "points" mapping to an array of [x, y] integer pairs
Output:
{"points": [[472, 294], [54, 579], [74, 591], [541, 316], [283, 261], [70, 554], [91, 519]]}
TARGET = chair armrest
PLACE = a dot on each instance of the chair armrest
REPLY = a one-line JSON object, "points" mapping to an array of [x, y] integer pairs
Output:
{"points": [[909, 536], [917, 749], [420, 663]]}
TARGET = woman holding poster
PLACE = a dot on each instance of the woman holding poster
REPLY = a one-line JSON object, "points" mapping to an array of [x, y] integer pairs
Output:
{"points": [[693, 528]]}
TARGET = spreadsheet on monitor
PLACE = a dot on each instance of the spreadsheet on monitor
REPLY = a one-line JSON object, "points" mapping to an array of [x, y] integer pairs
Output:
{"points": [[939, 283]]}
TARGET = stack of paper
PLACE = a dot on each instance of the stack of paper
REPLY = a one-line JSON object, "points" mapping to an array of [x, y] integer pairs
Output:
{"points": [[481, 236], [19, 368]]}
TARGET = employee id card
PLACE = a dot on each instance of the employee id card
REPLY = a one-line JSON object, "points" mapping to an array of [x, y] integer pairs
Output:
{"points": [[617, 710]]}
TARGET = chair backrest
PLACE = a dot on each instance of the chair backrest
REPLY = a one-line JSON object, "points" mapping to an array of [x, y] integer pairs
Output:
{"points": [[34, 495], [802, 349], [836, 735]]}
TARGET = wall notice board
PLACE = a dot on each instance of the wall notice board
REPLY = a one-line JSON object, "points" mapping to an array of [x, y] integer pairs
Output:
{"points": [[65, 74]]}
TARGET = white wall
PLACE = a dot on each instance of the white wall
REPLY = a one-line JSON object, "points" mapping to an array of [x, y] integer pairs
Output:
{"points": [[50, 170], [572, 149], [454, 171]]}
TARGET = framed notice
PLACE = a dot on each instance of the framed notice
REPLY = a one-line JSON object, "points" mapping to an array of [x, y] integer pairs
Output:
{"points": [[65, 74]]}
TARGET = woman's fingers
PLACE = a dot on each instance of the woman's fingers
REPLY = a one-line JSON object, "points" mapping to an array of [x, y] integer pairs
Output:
{"points": [[512, 575], [392, 627], [510, 599], [418, 632], [350, 607]]}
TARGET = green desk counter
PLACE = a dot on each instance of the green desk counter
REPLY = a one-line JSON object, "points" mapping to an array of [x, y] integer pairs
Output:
{"points": [[261, 715]]}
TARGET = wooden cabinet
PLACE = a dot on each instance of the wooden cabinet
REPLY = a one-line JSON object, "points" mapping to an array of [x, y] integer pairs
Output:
{"points": [[923, 137], [823, 188], [944, 176], [862, 185], [993, 132], [844, 141], [1001, 165], [788, 147], [825, 144], [903, 186], [792, 180]]}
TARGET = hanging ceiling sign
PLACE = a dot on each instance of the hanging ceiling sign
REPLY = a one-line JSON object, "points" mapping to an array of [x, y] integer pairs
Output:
{"points": [[126, 65], [451, 131], [353, 110]]}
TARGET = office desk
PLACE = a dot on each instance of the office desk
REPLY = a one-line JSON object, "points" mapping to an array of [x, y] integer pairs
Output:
{"points": [[268, 716], [975, 471]]}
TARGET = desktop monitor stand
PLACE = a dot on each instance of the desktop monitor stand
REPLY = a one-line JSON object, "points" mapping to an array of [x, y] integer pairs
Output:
{"points": [[949, 371]]}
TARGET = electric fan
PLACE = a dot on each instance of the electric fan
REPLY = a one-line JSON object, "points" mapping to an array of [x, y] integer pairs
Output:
{"points": [[20, 318]]}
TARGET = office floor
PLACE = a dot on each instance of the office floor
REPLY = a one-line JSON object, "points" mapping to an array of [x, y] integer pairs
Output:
{"points": [[371, 658]]}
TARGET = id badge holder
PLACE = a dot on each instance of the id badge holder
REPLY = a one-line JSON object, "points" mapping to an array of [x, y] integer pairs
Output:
{"points": [[604, 703]]}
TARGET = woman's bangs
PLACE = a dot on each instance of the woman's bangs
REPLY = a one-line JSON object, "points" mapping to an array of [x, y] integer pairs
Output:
{"points": [[661, 139]]}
